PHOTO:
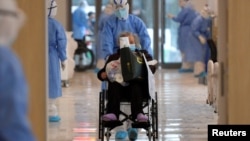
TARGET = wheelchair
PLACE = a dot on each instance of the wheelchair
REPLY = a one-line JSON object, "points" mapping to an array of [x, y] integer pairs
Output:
{"points": [[84, 55], [150, 108], [211, 56]]}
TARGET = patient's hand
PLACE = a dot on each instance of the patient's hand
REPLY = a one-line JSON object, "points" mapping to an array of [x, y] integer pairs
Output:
{"points": [[104, 75]]}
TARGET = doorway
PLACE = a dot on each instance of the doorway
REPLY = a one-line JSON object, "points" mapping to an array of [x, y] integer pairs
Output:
{"points": [[162, 31]]}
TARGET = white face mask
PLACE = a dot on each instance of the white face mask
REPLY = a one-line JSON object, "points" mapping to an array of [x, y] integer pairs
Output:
{"points": [[132, 47], [122, 11]]}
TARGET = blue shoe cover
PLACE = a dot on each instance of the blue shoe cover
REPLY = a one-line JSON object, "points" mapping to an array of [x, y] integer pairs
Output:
{"points": [[54, 118], [132, 134], [202, 74], [96, 70], [185, 70], [121, 135]]}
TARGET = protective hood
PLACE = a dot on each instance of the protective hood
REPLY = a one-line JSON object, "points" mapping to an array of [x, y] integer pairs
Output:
{"points": [[52, 8]]}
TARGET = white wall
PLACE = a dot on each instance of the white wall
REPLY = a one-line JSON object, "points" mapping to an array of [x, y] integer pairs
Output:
{"points": [[213, 4], [199, 4], [63, 13]]}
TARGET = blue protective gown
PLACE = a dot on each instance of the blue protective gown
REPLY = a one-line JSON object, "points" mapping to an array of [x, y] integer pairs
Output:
{"points": [[14, 124], [185, 17], [103, 18], [57, 53], [114, 27], [197, 51], [80, 23]]}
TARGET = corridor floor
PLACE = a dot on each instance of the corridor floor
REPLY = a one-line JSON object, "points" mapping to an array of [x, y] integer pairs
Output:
{"points": [[183, 113]]}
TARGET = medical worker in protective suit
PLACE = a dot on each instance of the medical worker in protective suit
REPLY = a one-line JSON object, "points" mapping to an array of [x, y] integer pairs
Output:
{"points": [[117, 23], [80, 23], [185, 17], [108, 11], [121, 21], [14, 124], [57, 57], [199, 52]]}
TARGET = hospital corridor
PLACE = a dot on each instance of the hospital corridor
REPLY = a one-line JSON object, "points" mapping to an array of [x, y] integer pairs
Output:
{"points": [[183, 113], [55, 55]]}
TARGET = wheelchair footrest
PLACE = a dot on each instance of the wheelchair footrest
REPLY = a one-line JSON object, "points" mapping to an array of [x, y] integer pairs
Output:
{"points": [[140, 125], [112, 124]]}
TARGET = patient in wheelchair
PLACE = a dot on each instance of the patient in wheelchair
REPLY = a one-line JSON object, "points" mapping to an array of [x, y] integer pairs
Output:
{"points": [[135, 91]]}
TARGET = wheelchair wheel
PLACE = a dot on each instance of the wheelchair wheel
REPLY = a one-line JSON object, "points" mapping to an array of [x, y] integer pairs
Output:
{"points": [[155, 118], [101, 113], [84, 60]]}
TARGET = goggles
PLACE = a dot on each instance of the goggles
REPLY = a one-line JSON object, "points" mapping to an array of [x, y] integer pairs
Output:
{"points": [[52, 5], [119, 6]]}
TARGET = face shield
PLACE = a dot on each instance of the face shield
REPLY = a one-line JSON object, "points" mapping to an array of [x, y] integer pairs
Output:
{"points": [[121, 9], [205, 12], [11, 20], [52, 8]]}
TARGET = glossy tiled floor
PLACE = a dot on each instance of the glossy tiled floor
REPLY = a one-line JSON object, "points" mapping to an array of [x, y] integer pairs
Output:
{"points": [[183, 113]]}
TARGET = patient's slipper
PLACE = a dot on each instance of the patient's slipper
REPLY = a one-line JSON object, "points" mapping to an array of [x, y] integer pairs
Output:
{"points": [[109, 117], [142, 118], [121, 135]]}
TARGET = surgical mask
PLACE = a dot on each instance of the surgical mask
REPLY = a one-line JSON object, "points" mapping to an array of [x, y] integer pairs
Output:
{"points": [[132, 47], [122, 13]]}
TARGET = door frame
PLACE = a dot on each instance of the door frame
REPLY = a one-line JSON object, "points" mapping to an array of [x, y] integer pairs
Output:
{"points": [[162, 26]]}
